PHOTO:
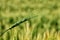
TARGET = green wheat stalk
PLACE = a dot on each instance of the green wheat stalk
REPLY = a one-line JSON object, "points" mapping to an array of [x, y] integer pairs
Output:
{"points": [[16, 24]]}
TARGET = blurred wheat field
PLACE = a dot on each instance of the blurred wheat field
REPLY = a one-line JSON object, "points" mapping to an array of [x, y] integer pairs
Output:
{"points": [[44, 27]]}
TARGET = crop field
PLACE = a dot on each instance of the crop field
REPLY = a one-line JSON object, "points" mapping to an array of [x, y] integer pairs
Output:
{"points": [[45, 26]]}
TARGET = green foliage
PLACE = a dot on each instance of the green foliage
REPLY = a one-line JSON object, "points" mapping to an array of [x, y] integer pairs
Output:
{"points": [[1, 39], [8, 36], [21, 27], [2, 9], [40, 25], [55, 7], [17, 9], [17, 36], [44, 19], [54, 22], [27, 8], [2, 27], [12, 9], [34, 33], [11, 20]]}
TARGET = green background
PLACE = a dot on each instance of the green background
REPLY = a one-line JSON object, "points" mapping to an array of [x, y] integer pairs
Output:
{"points": [[44, 27]]}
